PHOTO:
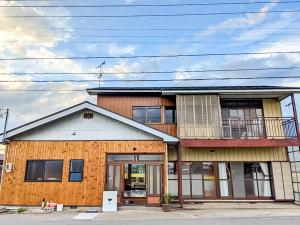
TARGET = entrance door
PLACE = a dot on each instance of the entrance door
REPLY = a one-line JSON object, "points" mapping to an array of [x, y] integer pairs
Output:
{"points": [[114, 181], [135, 183], [154, 184]]}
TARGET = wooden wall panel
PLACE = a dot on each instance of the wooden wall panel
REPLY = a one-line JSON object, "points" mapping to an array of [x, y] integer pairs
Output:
{"points": [[234, 154], [198, 116], [123, 105], [14, 191]]}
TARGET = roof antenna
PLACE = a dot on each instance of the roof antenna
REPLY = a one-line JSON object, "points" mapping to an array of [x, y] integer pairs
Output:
{"points": [[100, 71]]}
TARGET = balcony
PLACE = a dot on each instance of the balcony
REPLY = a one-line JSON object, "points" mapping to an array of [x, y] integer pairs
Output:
{"points": [[235, 132], [259, 128]]}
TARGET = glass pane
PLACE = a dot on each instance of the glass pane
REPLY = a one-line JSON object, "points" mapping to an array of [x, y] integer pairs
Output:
{"points": [[150, 157], [196, 170], [35, 170], [172, 168], [154, 180], [210, 188], [139, 114], [291, 156], [53, 170], [208, 170], [170, 115], [113, 178], [186, 187], [237, 171], [76, 166], [223, 170], [173, 186], [262, 171], [120, 157], [251, 188], [297, 156], [75, 176], [264, 188], [197, 188], [153, 115], [185, 168], [224, 188], [250, 170]]}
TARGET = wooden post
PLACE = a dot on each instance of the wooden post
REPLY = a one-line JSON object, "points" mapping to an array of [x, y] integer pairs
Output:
{"points": [[179, 174], [166, 174], [295, 115]]}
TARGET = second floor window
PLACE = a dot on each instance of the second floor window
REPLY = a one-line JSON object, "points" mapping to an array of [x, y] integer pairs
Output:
{"points": [[170, 115], [148, 114]]}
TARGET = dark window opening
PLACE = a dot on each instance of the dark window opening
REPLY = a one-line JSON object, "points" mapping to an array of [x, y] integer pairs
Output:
{"points": [[44, 170], [76, 170], [170, 115], [149, 114]]}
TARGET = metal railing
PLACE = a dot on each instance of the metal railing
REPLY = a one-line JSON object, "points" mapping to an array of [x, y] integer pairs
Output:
{"points": [[259, 128]]}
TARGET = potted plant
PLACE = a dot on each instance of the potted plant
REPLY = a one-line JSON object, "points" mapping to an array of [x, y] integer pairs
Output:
{"points": [[165, 201]]}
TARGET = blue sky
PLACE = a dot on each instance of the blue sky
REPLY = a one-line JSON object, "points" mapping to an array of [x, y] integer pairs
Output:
{"points": [[34, 37]]}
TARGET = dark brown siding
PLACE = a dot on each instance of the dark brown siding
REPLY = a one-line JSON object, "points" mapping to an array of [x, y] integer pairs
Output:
{"points": [[123, 105]]}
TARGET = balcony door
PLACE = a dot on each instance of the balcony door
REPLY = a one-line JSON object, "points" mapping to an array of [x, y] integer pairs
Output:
{"points": [[242, 119]]}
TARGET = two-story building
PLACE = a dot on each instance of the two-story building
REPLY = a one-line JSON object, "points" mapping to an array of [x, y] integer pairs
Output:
{"points": [[197, 143]]}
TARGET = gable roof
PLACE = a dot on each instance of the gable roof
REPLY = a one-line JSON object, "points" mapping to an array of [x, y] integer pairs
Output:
{"points": [[82, 106]]}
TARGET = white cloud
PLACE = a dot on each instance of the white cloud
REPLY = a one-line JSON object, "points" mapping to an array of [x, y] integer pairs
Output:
{"points": [[115, 49]]}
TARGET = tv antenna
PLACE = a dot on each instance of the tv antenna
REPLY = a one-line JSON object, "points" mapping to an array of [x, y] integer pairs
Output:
{"points": [[100, 67]]}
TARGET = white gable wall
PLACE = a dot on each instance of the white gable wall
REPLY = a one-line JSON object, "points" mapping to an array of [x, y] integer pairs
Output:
{"points": [[75, 127]]}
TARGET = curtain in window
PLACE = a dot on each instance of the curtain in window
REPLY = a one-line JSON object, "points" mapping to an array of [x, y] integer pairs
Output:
{"points": [[224, 191]]}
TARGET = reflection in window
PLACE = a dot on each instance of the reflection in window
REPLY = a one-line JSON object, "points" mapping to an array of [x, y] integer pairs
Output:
{"points": [[44, 170], [147, 114], [294, 156], [76, 170]]}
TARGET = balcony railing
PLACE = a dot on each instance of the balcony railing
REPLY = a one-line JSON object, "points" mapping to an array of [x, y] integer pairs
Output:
{"points": [[259, 128]]}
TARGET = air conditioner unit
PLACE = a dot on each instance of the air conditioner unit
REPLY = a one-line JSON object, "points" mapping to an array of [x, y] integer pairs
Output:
{"points": [[8, 167]]}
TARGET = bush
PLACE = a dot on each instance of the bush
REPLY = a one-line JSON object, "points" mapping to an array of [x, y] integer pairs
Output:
{"points": [[21, 210], [166, 198]]}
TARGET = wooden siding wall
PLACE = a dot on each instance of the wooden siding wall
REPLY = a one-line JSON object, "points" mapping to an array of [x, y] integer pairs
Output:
{"points": [[198, 116], [272, 108], [14, 191], [234, 154], [123, 105]]}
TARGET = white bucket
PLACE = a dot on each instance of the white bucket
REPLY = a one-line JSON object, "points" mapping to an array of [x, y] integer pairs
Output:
{"points": [[59, 207]]}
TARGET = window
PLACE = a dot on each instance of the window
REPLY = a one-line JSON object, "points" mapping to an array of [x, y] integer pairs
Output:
{"points": [[170, 115], [242, 119], [149, 114], [76, 170], [44, 170]]}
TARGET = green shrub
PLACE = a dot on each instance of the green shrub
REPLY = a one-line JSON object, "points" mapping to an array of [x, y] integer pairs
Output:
{"points": [[166, 198], [21, 210]]}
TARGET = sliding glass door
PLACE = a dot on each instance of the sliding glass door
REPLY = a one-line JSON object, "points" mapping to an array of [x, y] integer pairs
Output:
{"points": [[226, 180]]}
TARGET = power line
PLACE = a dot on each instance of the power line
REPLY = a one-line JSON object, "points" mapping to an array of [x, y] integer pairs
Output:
{"points": [[149, 80], [149, 42], [156, 72], [149, 15], [149, 29], [156, 36], [149, 56], [151, 5]]}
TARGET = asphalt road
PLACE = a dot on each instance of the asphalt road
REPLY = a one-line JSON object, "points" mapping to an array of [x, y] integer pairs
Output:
{"points": [[68, 220]]}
